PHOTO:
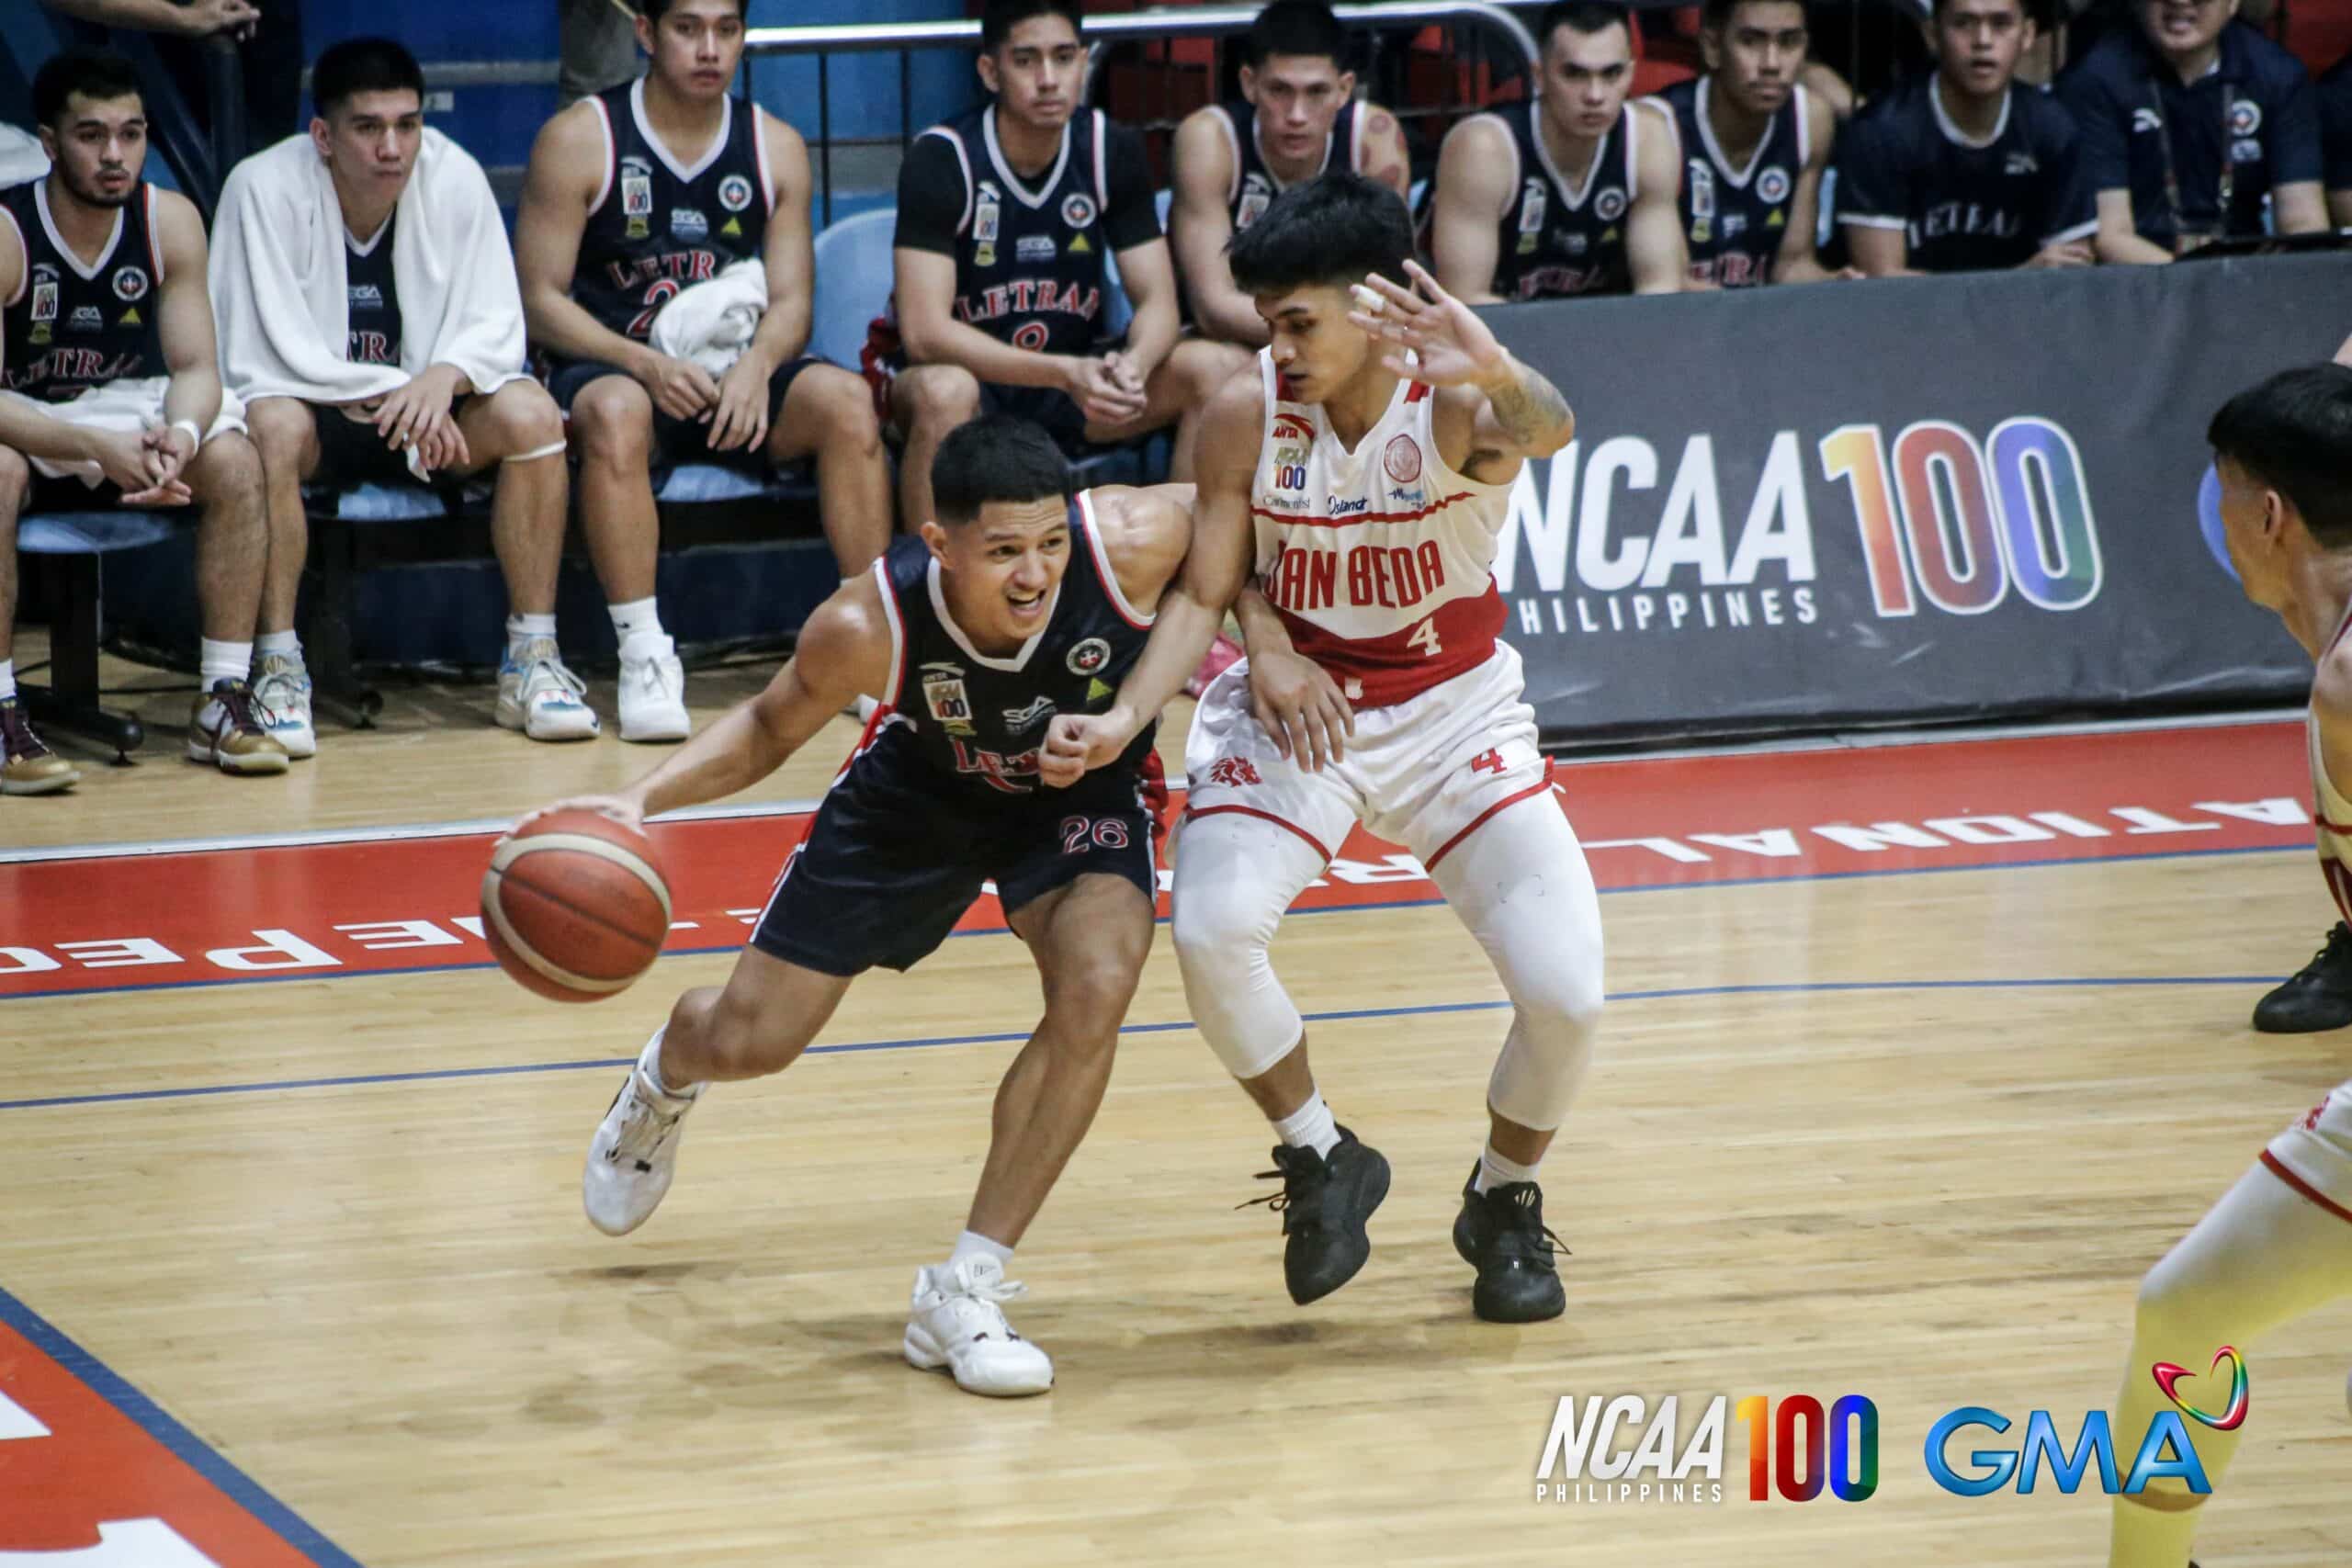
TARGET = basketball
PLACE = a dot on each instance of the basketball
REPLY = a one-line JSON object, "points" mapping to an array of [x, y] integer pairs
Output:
{"points": [[575, 906]]}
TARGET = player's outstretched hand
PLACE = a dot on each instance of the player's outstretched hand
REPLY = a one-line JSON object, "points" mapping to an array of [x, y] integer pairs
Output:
{"points": [[1452, 347], [1075, 742], [1301, 707], [624, 810]]}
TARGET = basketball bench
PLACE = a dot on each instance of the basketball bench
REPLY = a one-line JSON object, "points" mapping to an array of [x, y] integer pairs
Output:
{"points": [[78, 542]]}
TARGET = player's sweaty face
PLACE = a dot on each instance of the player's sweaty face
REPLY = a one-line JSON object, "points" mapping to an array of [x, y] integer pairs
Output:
{"points": [[1001, 569], [1585, 78], [1037, 73], [1315, 345], [1758, 54]]}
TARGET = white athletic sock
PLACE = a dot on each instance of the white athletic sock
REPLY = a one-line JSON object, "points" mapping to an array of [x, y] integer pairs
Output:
{"points": [[223, 661], [521, 629], [972, 1243], [650, 1063], [638, 616], [285, 644], [1496, 1171], [1310, 1126], [7, 679]]}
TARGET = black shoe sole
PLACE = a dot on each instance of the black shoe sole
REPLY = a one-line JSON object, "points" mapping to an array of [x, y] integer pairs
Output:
{"points": [[2300, 1022], [1536, 1308], [1359, 1244]]}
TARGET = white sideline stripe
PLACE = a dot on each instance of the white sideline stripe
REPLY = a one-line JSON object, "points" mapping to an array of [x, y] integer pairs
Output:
{"points": [[1839, 740]]}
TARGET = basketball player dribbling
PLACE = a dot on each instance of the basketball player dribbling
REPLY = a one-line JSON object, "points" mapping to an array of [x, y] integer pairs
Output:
{"points": [[2279, 1243], [1352, 485], [1021, 600]]}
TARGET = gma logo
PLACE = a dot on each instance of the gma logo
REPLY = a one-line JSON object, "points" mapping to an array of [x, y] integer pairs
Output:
{"points": [[2164, 1450]]}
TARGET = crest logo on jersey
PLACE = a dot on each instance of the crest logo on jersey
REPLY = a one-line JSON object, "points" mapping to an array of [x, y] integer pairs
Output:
{"points": [[1402, 459], [1088, 656], [1033, 250], [2246, 118], [637, 188], [942, 693], [1610, 205], [734, 193], [688, 223], [1078, 209], [1036, 712], [1772, 186], [130, 284]]}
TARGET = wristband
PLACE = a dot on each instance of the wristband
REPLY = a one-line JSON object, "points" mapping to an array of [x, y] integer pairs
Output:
{"points": [[195, 436]]}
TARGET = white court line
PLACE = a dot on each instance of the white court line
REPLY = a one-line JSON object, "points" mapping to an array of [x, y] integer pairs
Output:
{"points": [[1856, 739]]}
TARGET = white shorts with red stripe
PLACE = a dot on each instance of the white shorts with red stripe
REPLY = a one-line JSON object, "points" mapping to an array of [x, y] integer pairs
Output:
{"points": [[1421, 773], [2313, 1155]]}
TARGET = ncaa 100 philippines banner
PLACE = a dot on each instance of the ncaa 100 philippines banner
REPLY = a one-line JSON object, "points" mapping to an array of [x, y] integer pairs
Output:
{"points": [[1868, 502]]}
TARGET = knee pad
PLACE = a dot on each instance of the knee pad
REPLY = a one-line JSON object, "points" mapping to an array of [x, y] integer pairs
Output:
{"points": [[1235, 877]]}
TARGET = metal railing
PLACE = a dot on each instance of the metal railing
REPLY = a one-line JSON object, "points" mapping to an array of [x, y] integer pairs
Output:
{"points": [[1103, 34]]}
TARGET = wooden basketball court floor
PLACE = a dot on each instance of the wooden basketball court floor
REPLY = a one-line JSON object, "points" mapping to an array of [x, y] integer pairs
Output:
{"points": [[1918, 1057]]}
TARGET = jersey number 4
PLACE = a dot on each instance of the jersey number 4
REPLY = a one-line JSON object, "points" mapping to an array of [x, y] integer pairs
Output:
{"points": [[1487, 761], [1425, 638]]}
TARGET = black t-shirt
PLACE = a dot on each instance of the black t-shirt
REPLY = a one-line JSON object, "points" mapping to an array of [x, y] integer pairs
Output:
{"points": [[1029, 253], [2334, 94], [1965, 206], [2255, 107]]}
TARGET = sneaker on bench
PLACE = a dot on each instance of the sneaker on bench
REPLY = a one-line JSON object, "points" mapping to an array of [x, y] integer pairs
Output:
{"points": [[538, 696]]}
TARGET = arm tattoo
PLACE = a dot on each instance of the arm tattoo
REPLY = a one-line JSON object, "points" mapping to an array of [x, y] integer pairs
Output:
{"points": [[1529, 409]]}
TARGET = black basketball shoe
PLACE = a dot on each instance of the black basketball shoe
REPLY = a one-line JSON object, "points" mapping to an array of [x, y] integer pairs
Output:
{"points": [[1500, 1233], [2319, 997], [1324, 1204]]}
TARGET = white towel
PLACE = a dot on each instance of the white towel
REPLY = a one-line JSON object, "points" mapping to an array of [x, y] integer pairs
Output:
{"points": [[123, 406], [712, 323], [280, 285]]}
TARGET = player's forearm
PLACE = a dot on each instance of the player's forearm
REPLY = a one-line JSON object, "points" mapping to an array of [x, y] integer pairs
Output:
{"points": [[561, 325], [1228, 314], [2130, 250], [1151, 336], [733, 754], [1182, 631], [28, 430], [146, 15], [783, 331], [1262, 631], [1529, 409], [990, 361], [193, 396]]}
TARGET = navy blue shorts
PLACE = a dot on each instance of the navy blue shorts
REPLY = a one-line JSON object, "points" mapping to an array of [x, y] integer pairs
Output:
{"points": [[893, 861], [677, 441]]}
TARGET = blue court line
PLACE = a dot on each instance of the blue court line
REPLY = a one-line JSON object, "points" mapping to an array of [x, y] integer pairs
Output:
{"points": [[185, 1445], [1348, 1015], [350, 973]]}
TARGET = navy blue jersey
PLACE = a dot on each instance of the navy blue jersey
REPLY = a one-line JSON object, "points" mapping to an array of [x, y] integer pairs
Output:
{"points": [[374, 297], [1029, 257], [1734, 219], [972, 724], [1552, 239], [2334, 94], [1255, 184], [1965, 205], [657, 228], [72, 327], [2198, 158]]}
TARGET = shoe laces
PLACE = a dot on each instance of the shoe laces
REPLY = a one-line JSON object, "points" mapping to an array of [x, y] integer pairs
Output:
{"points": [[974, 1296], [646, 1124], [1303, 1173], [17, 737], [2336, 949], [544, 673], [280, 683], [236, 699], [660, 676], [1517, 1209]]}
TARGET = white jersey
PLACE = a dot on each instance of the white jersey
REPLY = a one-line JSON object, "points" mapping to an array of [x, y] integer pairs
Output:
{"points": [[1380, 561]]}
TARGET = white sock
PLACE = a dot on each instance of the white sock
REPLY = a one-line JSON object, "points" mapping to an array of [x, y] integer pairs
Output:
{"points": [[637, 617], [1496, 1171], [972, 1243], [1310, 1126], [521, 629], [7, 679], [649, 1064], [285, 644], [223, 661]]}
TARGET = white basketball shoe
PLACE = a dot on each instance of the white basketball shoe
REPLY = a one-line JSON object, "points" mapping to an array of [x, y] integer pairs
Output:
{"points": [[653, 690], [957, 1322], [635, 1151]]}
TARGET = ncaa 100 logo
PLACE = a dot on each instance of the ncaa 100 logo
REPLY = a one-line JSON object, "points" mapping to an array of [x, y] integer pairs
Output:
{"points": [[1617, 1449], [1623, 537]]}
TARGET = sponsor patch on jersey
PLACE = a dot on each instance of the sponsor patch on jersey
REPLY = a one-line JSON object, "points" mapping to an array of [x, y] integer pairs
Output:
{"points": [[2246, 118], [1088, 656], [637, 188], [130, 284], [1252, 208], [1532, 205], [984, 221], [734, 193], [1771, 185], [87, 319], [2147, 120], [1033, 250], [1097, 690], [1733, 222], [1078, 209], [130, 318], [45, 302], [1576, 245], [687, 223], [1701, 185], [1079, 247], [2020, 163], [640, 228], [365, 296], [1610, 205], [984, 254], [1035, 714], [1402, 459], [942, 693], [2246, 149], [732, 229]]}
